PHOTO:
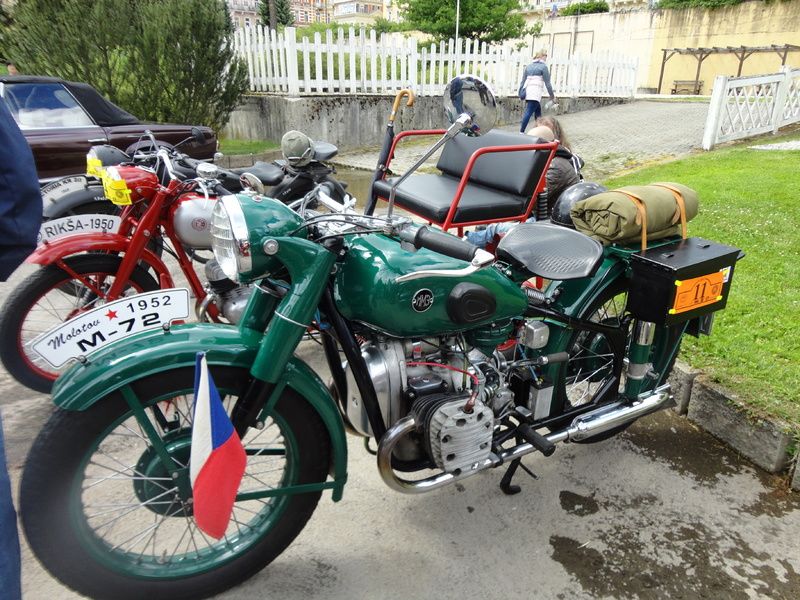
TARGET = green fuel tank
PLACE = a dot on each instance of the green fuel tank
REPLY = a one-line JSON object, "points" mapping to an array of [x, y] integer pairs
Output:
{"points": [[366, 290]]}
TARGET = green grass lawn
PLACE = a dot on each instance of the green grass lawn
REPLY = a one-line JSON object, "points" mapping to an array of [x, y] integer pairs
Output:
{"points": [[236, 147], [749, 199]]}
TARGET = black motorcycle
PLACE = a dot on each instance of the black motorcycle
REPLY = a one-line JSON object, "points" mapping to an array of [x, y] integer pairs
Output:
{"points": [[288, 180]]}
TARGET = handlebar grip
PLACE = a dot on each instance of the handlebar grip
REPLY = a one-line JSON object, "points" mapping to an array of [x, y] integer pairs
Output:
{"points": [[221, 190], [440, 242]]}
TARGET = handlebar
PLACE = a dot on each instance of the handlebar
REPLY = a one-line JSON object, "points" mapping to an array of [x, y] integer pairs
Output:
{"points": [[440, 242], [164, 156]]}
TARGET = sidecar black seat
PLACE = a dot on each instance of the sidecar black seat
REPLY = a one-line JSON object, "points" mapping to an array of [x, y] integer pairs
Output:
{"points": [[550, 251], [490, 178]]}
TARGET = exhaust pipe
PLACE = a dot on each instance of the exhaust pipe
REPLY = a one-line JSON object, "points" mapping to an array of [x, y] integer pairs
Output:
{"points": [[583, 427], [607, 418]]}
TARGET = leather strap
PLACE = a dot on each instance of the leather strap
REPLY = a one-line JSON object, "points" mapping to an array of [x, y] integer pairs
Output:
{"points": [[639, 203], [681, 204]]}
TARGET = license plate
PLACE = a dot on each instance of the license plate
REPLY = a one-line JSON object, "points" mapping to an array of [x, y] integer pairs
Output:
{"points": [[57, 228], [106, 324], [61, 187]]}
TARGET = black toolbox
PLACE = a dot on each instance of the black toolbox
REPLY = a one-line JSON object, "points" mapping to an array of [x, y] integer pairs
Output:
{"points": [[681, 280]]}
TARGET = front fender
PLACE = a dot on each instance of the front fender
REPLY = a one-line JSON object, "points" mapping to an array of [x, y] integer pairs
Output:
{"points": [[154, 351], [78, 243]]}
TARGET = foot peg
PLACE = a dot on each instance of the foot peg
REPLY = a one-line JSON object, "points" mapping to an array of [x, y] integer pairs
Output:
{"points": [[535, 439]]}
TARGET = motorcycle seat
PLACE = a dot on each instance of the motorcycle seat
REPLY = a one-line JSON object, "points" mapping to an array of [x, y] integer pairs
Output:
{"points": [[550, 251], [268, 174], [324, 151]]}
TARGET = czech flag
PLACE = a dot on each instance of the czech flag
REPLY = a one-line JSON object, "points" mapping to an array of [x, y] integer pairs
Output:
{"points": [[217, 459]]}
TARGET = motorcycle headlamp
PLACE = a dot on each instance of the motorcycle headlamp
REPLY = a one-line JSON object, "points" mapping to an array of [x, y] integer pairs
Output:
{"points": [[243, 230], [230, 237]]}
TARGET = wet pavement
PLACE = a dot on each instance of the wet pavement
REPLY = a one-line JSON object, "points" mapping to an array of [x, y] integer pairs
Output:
{"points": [[662, 511]]}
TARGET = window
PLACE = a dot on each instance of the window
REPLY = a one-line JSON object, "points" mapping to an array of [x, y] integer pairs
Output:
{"points": [[36, 105]]}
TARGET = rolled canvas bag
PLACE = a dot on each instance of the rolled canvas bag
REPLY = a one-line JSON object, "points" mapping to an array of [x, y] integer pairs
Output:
{"points": [[618, 216]]}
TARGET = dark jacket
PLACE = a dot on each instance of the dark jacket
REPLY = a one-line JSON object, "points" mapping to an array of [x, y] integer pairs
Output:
{"points": [[20, 199], [564, 171]]}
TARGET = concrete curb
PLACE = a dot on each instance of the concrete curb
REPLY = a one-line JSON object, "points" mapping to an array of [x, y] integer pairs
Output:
{"points": [[765, 441]]}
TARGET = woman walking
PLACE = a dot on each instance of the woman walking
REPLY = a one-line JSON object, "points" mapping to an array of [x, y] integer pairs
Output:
{"points": [[535, 78]]}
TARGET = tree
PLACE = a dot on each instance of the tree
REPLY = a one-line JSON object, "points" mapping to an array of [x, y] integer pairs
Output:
{"points": [[484, 20], [584, 8], [283, 13], [5, 22], [162, 60]]}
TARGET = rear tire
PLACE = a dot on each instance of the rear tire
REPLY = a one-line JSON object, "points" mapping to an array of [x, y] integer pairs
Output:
{"points": [[103, 516], [591, 356], [46, 299]]}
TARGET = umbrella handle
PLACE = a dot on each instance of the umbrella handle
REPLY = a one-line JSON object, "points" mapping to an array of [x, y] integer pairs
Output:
{"points": [[399, 98]]}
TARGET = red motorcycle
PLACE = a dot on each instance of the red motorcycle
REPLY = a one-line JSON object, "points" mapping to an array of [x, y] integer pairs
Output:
{"points": [[165, 215]]}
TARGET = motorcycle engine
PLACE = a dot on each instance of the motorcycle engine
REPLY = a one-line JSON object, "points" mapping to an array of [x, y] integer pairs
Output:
{"points": [[229, 296], [430, 379], [192, 221]]}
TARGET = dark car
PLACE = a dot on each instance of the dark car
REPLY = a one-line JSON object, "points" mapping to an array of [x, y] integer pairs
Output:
{"points": [[62, 119]]}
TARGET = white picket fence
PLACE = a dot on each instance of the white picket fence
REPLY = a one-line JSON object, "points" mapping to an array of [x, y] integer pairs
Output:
{"points": [[358, 63], [746, 106]]}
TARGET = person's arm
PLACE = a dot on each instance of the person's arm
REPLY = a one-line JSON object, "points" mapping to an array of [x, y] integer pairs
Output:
{"points": [[20, 199], [546, 77]]}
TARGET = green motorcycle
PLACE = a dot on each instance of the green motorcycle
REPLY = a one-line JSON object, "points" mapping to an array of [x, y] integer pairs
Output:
{"points": [[439, 351]]}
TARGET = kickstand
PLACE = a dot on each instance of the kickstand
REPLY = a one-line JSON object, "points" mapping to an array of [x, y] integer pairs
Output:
{"points": [[505, 483]]}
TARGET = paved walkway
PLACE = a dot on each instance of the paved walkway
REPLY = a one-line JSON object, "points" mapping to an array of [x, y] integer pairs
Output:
{"points": [[610, 140]]}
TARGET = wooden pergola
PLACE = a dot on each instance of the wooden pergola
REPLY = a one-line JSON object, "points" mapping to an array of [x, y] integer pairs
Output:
{"points": [[741, 52]]}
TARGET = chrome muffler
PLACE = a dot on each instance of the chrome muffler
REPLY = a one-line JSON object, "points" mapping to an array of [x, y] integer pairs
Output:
{"points": [[609, 417], [583, 427]]}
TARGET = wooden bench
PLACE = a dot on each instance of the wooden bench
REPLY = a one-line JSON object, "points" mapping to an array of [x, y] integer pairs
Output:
{"points": [[688, 86], [486, 179]]}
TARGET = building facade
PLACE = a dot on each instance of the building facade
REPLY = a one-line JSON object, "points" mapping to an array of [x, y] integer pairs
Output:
{"points": [[246, 12]]}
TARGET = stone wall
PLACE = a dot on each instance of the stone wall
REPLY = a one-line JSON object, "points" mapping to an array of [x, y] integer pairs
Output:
{"points": [[360, 120]]}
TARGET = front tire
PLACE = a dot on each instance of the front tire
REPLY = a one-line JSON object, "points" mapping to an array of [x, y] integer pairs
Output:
{"points": [[45, 300], [103, 516]]}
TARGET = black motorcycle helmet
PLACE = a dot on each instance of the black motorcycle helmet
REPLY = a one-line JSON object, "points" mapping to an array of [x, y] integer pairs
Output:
{"points": [[568, 198]]}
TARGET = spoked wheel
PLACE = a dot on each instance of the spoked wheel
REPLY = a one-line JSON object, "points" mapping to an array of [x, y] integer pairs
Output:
{"points": [[592, 356], [107, 516], [48, 298]]}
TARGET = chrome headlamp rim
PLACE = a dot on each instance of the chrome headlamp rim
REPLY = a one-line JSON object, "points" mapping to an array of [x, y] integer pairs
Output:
{"points": [[237, 224]]}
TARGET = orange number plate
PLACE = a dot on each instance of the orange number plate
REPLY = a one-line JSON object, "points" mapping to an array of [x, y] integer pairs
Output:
{"points": [[697, 292]]}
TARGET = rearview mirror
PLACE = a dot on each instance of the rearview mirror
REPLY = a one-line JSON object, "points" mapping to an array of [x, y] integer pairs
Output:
{"points": [[198, 136], [470, 95]]}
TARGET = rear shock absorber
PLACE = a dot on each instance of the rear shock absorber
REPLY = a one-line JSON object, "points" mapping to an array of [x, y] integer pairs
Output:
{"points": [[542, 212]]}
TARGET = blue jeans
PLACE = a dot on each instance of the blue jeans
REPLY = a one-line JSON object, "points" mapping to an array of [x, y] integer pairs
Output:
{"points": [[10, 586], [533, 109], [484, 236]]}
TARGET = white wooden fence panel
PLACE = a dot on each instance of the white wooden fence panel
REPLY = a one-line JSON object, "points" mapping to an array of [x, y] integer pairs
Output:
{"points": [[354, 62], [746, 106]]}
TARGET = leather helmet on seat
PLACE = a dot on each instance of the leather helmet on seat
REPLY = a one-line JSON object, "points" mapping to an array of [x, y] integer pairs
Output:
{"points": [[568, 198], [297, 148]]}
